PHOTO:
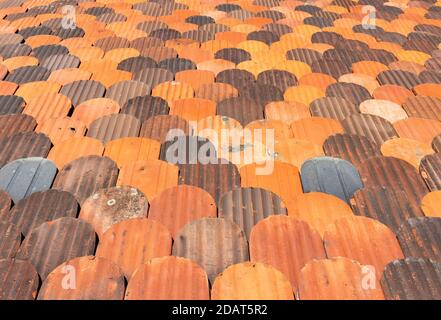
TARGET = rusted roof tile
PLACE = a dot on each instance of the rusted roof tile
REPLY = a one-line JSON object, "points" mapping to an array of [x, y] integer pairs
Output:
{"points": [[281, 178], [337, 279], [40, 207], [409, 150], [430, 171], [18, 280], [164, 127], [168, 278], [188, 149], [61, 129], [10, 104], [126, 150], [412, 279], [236, 77], [364, 240], [91, 110], [216, 179], [82, 90], [216, 91], [419, 238], [251, 281], [350, 147], [315, 129], [15, 123], [424, 130], [28, 74], [24, 145], [385, 204], [55, 242], [74, 148], [423, 107], [114, 126], [318, 209], [243, 109], [394, 173], [113, 205], [262, 93], [134, 64], [153, 76], [333, 107], [430, 204], [176, 206], [145, 107], [286, 244], [398, 77], [133, 242], [149, 176], [286, 111], [213, 243], [5, 202], [86, 175], [247, 206], [95, 279], [372, 127], [123, 91], [349, 91], [11, 240]]}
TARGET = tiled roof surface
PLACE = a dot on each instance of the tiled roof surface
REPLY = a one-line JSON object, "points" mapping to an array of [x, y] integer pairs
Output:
{"points": [[223, 149]]}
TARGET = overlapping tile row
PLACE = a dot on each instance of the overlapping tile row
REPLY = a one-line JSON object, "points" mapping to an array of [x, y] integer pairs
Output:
{"points": [[197, 149]]}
